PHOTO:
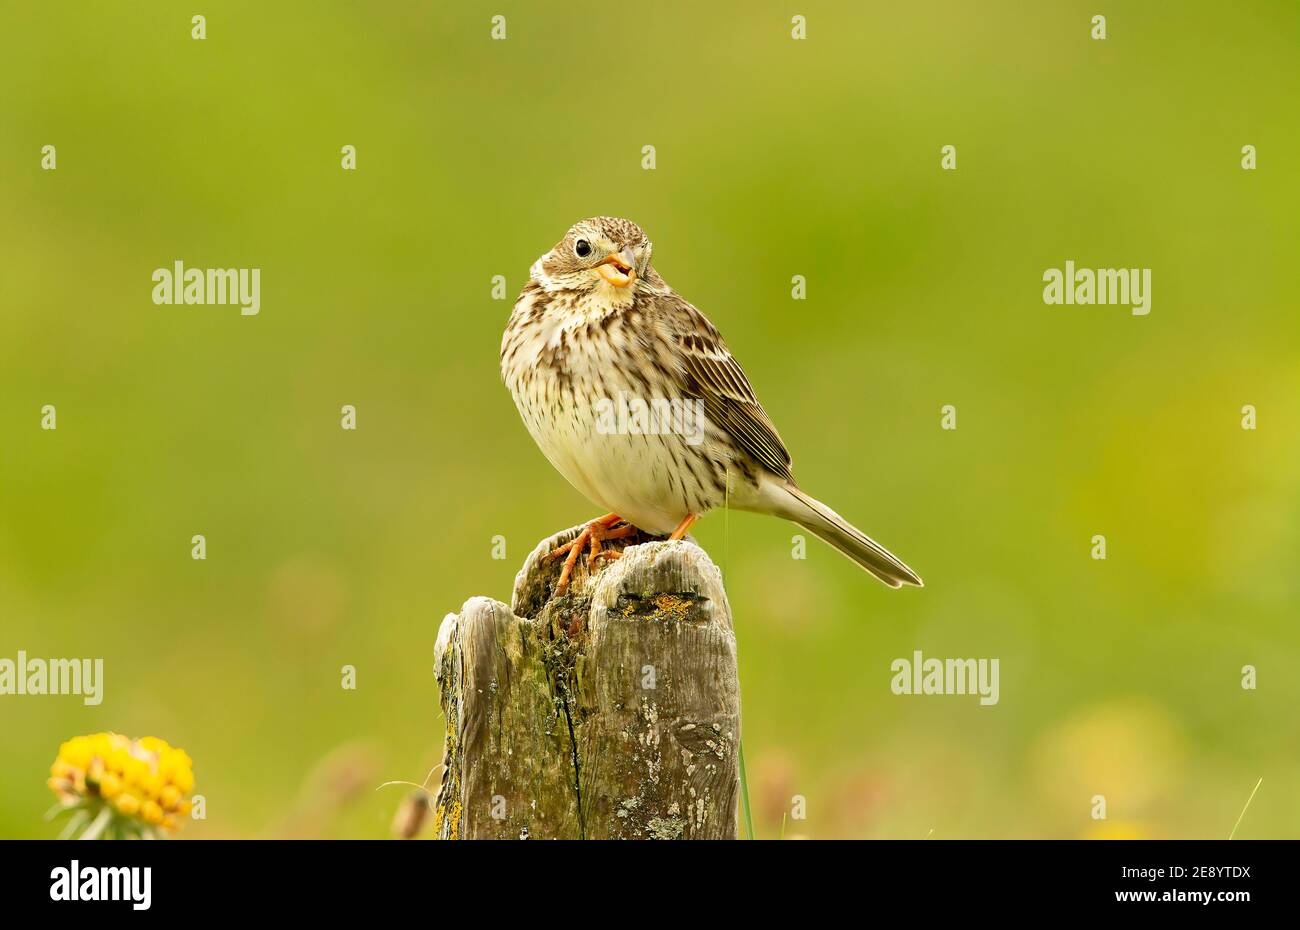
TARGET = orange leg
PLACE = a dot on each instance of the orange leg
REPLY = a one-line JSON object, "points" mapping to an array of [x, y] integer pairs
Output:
{"points": [[607, 520], [591, 537], [687, 522], [563, 584], [618, 532]]}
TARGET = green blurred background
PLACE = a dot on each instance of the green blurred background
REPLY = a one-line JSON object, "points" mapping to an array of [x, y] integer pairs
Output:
{"points": [[775, 157]]}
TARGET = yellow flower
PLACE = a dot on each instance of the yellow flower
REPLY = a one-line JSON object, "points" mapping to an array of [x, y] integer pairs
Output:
{"points": [[122, 787], [110, 786], [151, 812], [128, 804], [152, 744], [75, 752]]}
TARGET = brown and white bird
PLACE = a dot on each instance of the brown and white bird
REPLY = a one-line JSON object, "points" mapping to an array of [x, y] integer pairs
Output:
{"points": [[597, 332]]}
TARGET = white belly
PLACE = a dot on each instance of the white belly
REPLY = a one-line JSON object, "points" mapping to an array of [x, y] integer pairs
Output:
{"points": [[634, 473], [577, 386]]}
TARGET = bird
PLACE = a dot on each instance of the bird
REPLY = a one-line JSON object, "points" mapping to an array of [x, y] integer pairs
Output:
{"points": [[633, 396]]}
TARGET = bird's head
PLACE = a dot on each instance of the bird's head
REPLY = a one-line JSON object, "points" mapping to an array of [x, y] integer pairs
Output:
{"points": [[604, 253]]}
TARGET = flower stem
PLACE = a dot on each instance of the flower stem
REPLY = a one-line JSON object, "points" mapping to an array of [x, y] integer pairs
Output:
{"points": [[98, 824]]}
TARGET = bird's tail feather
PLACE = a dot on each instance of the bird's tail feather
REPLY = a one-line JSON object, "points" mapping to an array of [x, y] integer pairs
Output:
{"points": [[827, 525]]}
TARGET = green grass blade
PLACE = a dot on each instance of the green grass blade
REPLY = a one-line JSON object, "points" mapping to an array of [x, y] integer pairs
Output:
{"points": [[740, 743], [1242, 815], [744, 791]]}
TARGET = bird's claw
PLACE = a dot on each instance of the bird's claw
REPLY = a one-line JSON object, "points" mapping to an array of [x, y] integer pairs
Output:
{"points": [[592, 536]]}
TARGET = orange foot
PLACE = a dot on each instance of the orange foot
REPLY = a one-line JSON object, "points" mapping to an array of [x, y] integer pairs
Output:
{"points": [[595, 533], [682, 528]]}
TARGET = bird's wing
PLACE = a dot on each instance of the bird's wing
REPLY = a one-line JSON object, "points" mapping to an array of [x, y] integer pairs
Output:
{"points": [[707, 369]]}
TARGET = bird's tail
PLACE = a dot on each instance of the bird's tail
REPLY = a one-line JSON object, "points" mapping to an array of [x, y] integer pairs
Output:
{"points": [[827, 525]]}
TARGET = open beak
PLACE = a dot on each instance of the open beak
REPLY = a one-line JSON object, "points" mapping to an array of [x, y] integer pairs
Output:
{"points": [[619, 269]]}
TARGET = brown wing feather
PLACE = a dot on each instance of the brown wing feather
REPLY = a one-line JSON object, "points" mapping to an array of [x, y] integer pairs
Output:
{"points": [[709, 371]]}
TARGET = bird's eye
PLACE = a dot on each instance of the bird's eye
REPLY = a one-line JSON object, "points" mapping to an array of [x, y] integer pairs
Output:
{"points": [[582, 247]]}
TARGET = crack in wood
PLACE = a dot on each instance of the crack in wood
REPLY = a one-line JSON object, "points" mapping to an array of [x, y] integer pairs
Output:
{"points": [[646, 686]]}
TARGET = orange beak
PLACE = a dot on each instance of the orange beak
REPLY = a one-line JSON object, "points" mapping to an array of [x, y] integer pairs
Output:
{"points": [[619, 269]]}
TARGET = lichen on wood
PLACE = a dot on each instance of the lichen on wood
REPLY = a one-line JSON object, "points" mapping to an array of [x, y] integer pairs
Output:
{"points": [[610, 712]]}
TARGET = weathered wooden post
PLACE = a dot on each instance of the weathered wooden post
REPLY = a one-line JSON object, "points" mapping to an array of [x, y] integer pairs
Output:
{"points": [[611, 712]]}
